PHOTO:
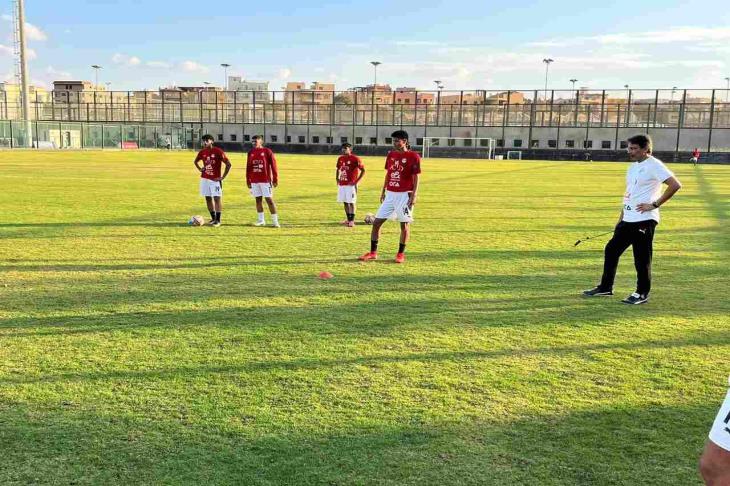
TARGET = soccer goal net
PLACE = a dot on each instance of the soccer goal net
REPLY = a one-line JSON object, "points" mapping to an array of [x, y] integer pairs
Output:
{"points": [[475, 147], [514, 155]]}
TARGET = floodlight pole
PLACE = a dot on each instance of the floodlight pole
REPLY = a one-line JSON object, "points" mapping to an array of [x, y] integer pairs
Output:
{"points": [[24, 72], [375, 70], [727, 88], [547, 62], [96, 74], [225, 74], [674, 90]]}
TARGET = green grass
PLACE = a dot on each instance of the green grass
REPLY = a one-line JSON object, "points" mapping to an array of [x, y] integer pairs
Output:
{"points": [[137, 350]]}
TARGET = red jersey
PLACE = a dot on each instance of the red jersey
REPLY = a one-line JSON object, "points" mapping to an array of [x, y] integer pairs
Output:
{"points": [[401, 167], [696, 154], [348, 169], [212, 159], [261, 166]]}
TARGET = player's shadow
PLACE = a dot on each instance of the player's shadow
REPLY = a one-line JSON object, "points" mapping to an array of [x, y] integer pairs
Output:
{"points": [[243, 442]]}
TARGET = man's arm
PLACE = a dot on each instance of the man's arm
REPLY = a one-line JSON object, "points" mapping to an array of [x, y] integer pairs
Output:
{"points": [[385, 184], [673, 185], [412, 196], [228, 168], [273, 170], [362, 174], [195, 162]]}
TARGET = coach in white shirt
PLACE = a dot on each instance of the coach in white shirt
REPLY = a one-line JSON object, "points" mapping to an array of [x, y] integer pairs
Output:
{"points": [[639, 217]]}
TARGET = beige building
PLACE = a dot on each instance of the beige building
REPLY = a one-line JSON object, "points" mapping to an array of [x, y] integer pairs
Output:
{"points": [[317, 93]]}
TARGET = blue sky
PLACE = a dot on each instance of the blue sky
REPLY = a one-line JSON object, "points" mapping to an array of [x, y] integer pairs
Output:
{"points": [[466, 44]]}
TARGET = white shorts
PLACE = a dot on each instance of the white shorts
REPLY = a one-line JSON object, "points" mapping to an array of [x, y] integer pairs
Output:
{"points": [[262, 189], [347, 194], [210, 188], [395, 206], [720, 431]]}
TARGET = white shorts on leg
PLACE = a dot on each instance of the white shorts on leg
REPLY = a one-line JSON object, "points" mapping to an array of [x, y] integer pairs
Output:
{"points": [[395, 205], [720, 431], [347, 194], [210, 188], [262, 189]]}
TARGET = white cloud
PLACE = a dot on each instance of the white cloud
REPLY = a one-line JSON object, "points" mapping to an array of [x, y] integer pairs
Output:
{"points": [[51, 71], [158, 64], [670, 35], [32, 32], [193, 67], [284, 73], [126, 60], [416, 43], [6, 50], [357, 45]]}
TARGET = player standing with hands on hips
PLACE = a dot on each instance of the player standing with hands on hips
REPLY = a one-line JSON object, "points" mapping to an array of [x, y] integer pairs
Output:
{"points": [[261, 178], [348, 173], [211, 180], [398, 196], [639, 216]]}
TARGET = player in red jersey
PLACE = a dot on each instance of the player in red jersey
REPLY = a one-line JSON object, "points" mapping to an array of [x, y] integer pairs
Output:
{"points": [[348, 173], [211, 180], [261, 178], [398, 197]]}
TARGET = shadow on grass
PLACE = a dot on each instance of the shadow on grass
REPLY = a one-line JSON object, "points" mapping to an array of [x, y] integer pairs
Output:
{"points": [[600, 446], [584, 351]]}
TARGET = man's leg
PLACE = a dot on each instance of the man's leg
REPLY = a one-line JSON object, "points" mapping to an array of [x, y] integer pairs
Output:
{"points": [[643, 250], [405, 233], [211, 207], [347, 211], [715, 465], [260, 220], [218, 207], [374, 237], [612, 253], [272, 209]]}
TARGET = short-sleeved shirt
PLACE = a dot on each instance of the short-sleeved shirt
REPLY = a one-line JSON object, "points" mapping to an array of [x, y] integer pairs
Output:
{"points": [[261, 166], [643, 185], [401, 167], [212, 159], [348, 169]]}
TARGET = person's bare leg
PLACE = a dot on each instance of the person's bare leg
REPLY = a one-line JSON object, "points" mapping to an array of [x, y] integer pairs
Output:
{"points": [[715, 465]]}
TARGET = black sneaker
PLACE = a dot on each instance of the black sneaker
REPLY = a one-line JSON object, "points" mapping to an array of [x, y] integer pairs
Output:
{"points": [[597, 292], [636, 299], [215, 223]]}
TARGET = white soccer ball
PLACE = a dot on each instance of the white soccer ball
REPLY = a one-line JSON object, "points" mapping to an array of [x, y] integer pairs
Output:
{"points": [[196, 221], [369, 218]]}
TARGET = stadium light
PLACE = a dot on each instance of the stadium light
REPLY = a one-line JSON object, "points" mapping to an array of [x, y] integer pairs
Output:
{"points": [[375, 69], [674, 90], [96, 74], [573, 89], [547, 62], [727, 87], [225, 67]]}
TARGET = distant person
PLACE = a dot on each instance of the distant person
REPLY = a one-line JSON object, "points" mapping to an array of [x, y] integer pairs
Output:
{"points": [[695, 156], [639, 216], [168, 143], [262, 177], [398, 196], [715, 460], [348, 173], [211, 180]]}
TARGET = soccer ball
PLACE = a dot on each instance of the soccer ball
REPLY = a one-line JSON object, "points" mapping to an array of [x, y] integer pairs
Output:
{"points": [[369, 218], [196, 221]]}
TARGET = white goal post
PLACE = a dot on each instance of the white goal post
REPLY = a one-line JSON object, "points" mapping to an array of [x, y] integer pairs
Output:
{"points": [[514, 155], [484, 143]]}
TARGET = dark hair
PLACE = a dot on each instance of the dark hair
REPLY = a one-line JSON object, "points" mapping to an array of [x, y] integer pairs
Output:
{"points": [[401, 134], [643, 141], [257, 137], [207, 137], [346, 145]]}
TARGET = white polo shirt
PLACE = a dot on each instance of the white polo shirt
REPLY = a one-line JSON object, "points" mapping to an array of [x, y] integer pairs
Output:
{"points": [[644, 185]]}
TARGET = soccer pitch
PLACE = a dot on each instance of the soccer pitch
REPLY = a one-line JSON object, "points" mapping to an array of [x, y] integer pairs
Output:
{"points": [[135, 349]]}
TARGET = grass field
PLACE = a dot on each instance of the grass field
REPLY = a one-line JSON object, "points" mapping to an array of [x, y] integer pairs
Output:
{"points": [[137, 350]]}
